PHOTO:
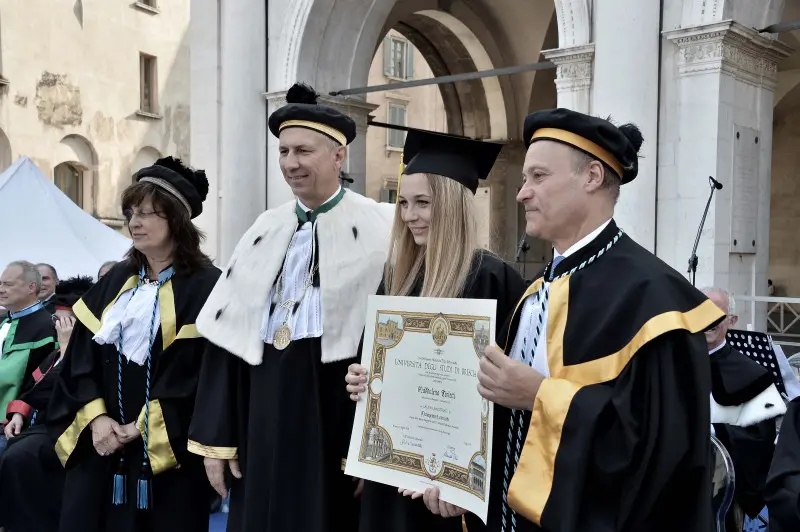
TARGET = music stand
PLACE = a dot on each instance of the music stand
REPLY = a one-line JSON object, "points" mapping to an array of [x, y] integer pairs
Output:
{"points": [[758, 346]]}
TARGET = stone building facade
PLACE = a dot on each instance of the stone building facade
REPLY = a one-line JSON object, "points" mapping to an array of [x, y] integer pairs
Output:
{"points": [[712, 95], [93, 91]]}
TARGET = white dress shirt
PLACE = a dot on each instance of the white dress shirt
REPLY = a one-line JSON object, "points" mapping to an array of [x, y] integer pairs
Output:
{"points": [[307, 321], [530, 316]]}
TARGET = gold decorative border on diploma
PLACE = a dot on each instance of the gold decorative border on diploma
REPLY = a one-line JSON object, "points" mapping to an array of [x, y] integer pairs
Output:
{"points": [[376, 443]]}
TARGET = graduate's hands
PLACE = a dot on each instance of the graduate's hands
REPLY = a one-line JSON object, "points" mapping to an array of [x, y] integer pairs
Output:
{"points": [[356, 380], [14, 426], [127, 433], [104, 436], [431, 499], [215, 471], [507, 382]]}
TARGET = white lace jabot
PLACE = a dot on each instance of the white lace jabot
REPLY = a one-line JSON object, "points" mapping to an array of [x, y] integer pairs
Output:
{"points": [[127, 323]]}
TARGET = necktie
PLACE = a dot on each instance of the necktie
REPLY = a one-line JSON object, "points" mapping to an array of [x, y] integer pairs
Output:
{"points": [[556, 261], [304, 216]]}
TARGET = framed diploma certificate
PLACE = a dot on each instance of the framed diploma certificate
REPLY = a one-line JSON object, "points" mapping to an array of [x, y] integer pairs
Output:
{"points": [[422, 423]]}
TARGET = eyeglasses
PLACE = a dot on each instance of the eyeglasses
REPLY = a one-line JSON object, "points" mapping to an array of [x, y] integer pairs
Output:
{"points": [[129, 214]]}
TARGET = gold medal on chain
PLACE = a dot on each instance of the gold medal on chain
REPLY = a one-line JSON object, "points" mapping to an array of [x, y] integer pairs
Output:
{"points": [[283, 337]]}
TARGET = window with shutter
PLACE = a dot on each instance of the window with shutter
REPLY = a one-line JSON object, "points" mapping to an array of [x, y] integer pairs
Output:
{"points": [[387, 57], [397, 60], [397, 117]]}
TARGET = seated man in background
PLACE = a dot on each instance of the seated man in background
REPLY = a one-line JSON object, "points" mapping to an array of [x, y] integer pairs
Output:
{"points": [[745, 405], [31, 475], [27, 334]]}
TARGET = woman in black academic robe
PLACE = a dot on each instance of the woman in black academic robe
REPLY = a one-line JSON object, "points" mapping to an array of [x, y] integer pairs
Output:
{"points": [[434, 253], [121, 408]]}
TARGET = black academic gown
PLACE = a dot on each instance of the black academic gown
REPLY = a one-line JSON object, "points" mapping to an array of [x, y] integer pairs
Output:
{"points": [[382, 508], [31, 476], [619, 438], [735, 380], [782, 492], [288, 421], [30, 340], [87, 387]]}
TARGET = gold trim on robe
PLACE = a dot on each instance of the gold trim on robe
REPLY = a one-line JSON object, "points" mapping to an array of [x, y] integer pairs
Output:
{"points": [[66, 443], [221, 453], [166, 304], [159, 449], [532, 481], [188, 332]]}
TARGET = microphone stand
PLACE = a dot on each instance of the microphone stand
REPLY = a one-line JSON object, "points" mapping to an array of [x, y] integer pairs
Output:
{"points": [[693, 258]]}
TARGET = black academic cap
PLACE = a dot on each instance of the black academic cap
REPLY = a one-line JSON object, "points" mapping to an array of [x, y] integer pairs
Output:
{"points": [[188, 185], [461, 159], [69, 291], [617, 147], [302, 110]]}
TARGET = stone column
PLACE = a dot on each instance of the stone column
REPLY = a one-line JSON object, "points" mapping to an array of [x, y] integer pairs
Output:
{"points": [[356, 165], [722, 127], [625, 87], [228, 128], [573, 76]]}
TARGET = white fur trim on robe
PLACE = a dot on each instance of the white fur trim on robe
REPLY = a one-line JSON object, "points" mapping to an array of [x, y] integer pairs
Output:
{"points": [[766, 405], [353, 244]]}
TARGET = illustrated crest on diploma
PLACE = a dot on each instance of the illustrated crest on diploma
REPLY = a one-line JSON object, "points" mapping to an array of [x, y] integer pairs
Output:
{"points": [[421, 422]]}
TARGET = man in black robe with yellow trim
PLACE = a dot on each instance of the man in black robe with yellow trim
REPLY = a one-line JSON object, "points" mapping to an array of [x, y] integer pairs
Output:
{"points": [[601, 420]]}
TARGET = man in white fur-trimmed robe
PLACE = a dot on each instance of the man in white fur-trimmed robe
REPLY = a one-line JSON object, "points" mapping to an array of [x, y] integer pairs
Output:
{"points": [[284, 322], [745, 404]]}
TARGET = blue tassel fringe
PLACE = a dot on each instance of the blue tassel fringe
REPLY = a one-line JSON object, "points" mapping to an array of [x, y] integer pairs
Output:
{"points": [[120, 492], [144, 495]]}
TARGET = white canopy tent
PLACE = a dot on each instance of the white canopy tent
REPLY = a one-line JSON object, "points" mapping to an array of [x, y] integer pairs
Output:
{"points": [[39, 223]]}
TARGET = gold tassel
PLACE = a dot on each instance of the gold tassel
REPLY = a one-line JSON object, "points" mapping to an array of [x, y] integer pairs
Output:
{"points": [[399, 177]]}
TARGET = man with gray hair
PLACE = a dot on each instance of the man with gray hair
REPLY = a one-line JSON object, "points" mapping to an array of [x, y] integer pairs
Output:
{"points": [[744, 406], [27, 333]]}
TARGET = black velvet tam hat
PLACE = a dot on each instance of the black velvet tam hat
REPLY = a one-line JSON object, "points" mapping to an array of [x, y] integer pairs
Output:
{"points": [[617, 147], [461, 159], [188, 185], [69, 291], [302, 110]]}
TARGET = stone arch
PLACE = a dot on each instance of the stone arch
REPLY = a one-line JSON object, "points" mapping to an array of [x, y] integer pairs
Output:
{"points": [[5, 151], [144, 157], [346, 35], [75, 158]]}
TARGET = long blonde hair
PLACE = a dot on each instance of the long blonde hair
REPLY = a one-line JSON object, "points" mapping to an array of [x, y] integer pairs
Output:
{"points": [[452, 243]]}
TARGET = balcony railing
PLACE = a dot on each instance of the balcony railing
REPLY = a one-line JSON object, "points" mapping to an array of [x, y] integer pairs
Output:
{"points": [[783, 317]]}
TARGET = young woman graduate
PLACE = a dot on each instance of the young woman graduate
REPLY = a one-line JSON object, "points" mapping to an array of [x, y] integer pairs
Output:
{"points": [[31, 477], [122, 405], [434, 253]]}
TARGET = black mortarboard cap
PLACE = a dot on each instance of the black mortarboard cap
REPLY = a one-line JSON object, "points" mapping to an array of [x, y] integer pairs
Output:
{"points": [[302, 110], [617, 147], [461, 159], [189, 186], [69, 291]]}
